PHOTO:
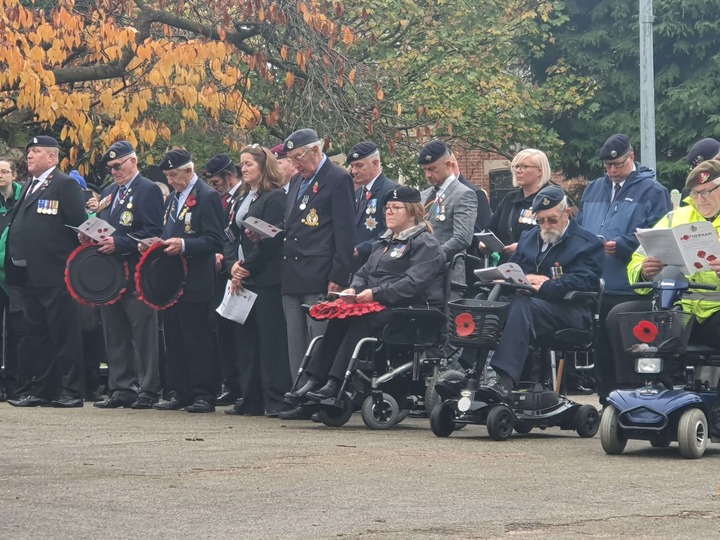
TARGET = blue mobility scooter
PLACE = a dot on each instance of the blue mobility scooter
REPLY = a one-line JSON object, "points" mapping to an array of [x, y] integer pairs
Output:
{"points": [[479, 324], [671, 405]]}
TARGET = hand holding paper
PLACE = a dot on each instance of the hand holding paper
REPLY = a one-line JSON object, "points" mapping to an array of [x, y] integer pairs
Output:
{"points": [[261, 228]]}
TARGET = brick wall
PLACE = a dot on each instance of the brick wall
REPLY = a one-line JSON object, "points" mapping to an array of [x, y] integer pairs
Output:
{"points": [[477, 164]]}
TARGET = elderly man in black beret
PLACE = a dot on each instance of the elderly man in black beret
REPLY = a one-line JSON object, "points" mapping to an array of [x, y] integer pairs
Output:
{"points": [[193, 228], [557, 256], [221, 174], [287, 165], [38, 245], [451, 206], [133, 205], [319, 237], [366, 170], [613, 207]]}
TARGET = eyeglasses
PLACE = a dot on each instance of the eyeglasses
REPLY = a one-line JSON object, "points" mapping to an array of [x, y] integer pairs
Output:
{"points": [[616, 164], [393, 209], [297, 159], [5, 171], [704, 194], [549, 221], [523, 168], [117, 166]]}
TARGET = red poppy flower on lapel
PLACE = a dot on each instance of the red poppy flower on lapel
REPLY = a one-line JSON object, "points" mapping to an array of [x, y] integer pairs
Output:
{"points": [[315, 187], [191, 200]]}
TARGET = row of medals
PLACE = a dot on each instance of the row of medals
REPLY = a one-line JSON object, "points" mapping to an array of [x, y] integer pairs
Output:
{"points": [[46, 206]]}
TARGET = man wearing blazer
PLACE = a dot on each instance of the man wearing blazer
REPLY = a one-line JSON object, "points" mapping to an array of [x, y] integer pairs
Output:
{"points": [[193, 228], [134, 206], [38, 247], [366, 170], [451, 207], [319, 237]]}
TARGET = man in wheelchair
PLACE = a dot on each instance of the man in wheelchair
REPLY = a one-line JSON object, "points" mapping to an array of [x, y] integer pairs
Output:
{"points": [[405, 268], [704, 198], [558, 256]]}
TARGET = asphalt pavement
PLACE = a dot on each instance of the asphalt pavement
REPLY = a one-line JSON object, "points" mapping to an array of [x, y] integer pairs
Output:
{"points": [[90, 473]]}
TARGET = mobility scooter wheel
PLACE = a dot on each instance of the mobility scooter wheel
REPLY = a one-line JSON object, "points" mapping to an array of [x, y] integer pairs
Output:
{"points": [[523, 429], [337, 416], [587, 421], [500, 423], [442, 420], [382, 415], [431, 396], [692, 434], [660, 442], [612, 437]]}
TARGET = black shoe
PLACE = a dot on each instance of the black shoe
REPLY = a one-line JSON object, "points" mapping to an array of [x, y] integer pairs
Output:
{"points": [[200, 406], [143, 403], [498, 392], [66, 402], [226, 398], [298, 413], [299, 395], [173, 405], [330, 389], [112, 403], [94, 397], [29, 401]]}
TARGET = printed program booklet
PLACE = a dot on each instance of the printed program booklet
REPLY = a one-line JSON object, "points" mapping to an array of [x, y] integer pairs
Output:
{"points": [[690, 246], [503, 272]]}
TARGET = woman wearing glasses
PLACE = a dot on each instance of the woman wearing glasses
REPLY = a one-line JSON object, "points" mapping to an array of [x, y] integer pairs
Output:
{"points": [[703, 183], [531, 172], [405, 268], [255, 263]]}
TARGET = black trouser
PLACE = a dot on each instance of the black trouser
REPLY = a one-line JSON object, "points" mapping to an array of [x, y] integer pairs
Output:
{"points": [[192, 363]]}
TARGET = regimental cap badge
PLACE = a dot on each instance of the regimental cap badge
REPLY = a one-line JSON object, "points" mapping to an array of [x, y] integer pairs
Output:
{"points": [[704, 176], [35, 141], [355, 155], [428, 158], [112, 154], [545, 201], [290, 145], [613, 153], [394, 193], [169, 163]]}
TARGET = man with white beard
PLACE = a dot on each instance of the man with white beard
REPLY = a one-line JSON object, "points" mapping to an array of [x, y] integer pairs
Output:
{"points": [[557, 256]]}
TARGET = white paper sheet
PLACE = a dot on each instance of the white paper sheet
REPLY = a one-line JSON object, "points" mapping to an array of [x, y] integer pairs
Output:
{"points": [[95, 228], [691, 246], [265, 230], [503, 272], [492, 242], [149, 242], [236, 307]]}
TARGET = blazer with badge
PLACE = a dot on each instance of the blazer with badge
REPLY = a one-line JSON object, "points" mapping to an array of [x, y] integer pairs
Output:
{"points": [[38, 231], [199, 224], [139, 213], [319, 232], [370, 215], [264, 259], [452, 217]]}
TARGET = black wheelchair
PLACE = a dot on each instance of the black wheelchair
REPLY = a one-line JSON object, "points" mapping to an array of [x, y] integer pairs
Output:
{"points": [[480, 324]]}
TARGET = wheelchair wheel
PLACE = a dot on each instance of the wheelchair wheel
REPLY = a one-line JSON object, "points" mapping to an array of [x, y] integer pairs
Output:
{"points": [[612, 436], [500, 423], [587, 421], [337, 416], [442, 420], [692, 434], [402, 415], [431, 396], [383, 415]]}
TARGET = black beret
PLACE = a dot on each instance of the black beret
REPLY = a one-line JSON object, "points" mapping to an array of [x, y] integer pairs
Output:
{"points": [[301, 137], [547, 198], [279, 151], [44, 141], [361, 150], [707, 171], [616, 146], [702, 151], [402, 194], [175, 159], [93, 187], [118, 150], [217, 164], [432, 151]]}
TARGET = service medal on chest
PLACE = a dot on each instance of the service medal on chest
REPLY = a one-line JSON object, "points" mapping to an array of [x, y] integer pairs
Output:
{"points": [[370, 223]]}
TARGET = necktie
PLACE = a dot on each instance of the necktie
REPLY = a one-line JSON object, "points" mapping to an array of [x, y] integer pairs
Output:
{"points": [[120, 197], [616, 190], [431, 199], [225, 201], [303, 187], [34, 185], [361, 197], [173, 208]]}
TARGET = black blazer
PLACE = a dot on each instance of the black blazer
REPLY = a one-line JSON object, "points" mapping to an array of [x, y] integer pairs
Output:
{"points": [[369, 226], [41, 237], [264, 259], [139, 214], [201, 229], [319, 239]]}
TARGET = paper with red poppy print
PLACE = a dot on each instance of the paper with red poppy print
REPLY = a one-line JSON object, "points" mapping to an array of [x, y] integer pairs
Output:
{"points": [[690, 246], [504, 272]]}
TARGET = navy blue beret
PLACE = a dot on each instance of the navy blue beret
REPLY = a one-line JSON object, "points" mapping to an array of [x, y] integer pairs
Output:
{"points": [[175, 159], [44, 141], [547, 198], [301, 137], [118, 150], [616, 146], [279, 151], [361, 150], [432, 151], [217, 164], [702, 151], [402, 194]]}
